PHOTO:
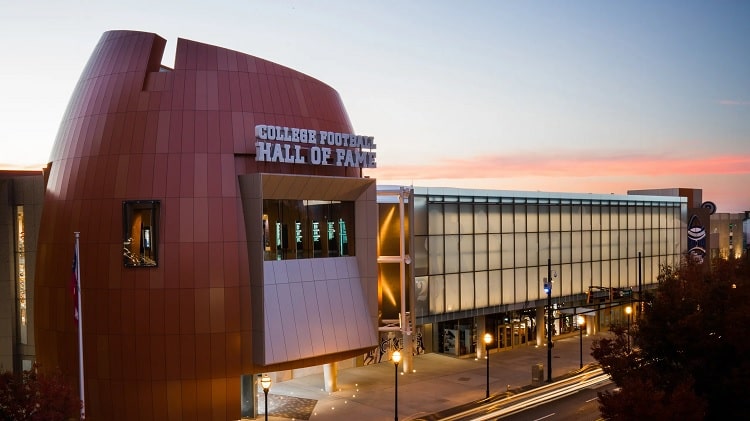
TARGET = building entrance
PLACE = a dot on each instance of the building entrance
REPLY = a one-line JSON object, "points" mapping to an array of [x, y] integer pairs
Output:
{"points": [[512, 334], [457, 337]]}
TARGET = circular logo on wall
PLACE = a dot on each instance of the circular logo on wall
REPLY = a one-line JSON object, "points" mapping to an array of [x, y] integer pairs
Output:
{"points": [[711, 206]]}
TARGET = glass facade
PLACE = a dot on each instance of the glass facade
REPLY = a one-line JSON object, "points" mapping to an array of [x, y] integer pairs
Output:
{"points": [[305, 229], [479, 250]]}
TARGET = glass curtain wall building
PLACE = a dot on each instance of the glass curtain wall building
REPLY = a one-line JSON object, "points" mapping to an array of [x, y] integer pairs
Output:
{"points": [[479, 259]]}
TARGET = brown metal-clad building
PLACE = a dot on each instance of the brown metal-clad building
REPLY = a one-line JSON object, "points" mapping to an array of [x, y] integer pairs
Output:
{"points": [[225, 230]]}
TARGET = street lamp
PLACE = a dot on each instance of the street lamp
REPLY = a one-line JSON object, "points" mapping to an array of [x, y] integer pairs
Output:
{"points": [[550, 319], [628, 310], [487, 341], [581, 322], [396, 359], [265, 383]]}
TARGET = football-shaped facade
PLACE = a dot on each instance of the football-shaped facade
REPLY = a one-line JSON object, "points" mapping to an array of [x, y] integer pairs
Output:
{"points": [[215, 242]]}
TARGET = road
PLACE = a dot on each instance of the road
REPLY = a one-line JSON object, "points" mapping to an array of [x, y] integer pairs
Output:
{"points": [[572, 398], [580, 406]]}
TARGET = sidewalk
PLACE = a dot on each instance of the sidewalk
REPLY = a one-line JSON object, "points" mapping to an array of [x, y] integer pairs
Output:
{"points": [[439, 382]]}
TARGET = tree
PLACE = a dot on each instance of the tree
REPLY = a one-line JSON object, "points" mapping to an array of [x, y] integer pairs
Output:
{"points": [[688, 359], [33, 395]]}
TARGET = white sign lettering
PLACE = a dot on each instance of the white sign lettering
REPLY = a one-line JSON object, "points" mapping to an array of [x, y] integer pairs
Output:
{"points": [[292, 145]]}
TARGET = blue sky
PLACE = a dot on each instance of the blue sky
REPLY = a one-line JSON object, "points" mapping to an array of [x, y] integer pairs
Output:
{"points": [[578, 96]]}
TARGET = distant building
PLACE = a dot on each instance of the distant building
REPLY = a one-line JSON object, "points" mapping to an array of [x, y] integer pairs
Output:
{"points": [[728, 235], [476, 261], [710, 234], [697, 218], [20, 214]]}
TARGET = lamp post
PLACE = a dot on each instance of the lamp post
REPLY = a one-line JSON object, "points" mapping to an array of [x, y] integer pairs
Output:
{"points": [[487, 341], [628, 310], [581, 322], [265, 383], [396, 359], [550, 320]]}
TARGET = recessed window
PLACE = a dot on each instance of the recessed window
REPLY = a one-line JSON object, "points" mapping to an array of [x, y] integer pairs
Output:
{"points": [[140, 235], [305, 229], [21, 275]]}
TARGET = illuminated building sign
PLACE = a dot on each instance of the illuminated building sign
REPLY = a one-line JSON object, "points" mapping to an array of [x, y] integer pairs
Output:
{"points": [[696, 239], [331, 231], [279, 237], [298, 233], [343, 240], [292, 145], [316, 232]]}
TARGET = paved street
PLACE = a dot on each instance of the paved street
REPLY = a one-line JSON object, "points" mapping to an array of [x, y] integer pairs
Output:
{"points": [[439, 382]]}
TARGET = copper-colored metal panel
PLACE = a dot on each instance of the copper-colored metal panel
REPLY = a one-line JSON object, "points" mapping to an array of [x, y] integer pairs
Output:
{"points": [[203, 356], [200, 265], [172, 363], [159, 396], [218, 363], [219, 394], [232, 310], [182, 137], [189, 393], [174, 400], [202, 310], [203, 399], [157, 357], [200, 223]]}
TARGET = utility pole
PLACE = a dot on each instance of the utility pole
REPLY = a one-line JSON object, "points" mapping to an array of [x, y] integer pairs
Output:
{"points": [[548, 290]]}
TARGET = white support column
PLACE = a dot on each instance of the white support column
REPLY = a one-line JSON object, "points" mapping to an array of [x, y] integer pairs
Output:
{"points": [[540, 326], [330, 375], [407, 364], [407, 354]]}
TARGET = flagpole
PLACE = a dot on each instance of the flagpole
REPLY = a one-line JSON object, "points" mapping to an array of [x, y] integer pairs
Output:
{"points": [[80, 330]]}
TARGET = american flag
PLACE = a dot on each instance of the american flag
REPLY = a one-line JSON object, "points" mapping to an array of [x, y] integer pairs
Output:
{"points": [[74, 286]]}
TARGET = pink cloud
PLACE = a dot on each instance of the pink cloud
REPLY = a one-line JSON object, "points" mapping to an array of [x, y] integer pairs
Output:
{"points": [[733, 102], [565, 166]]}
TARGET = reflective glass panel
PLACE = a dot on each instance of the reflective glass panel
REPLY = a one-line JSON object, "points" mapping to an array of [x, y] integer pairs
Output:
{"points": [[493, 218], [495, 288], [494, 251], [451, 218], [466, 218], [467, 253], [467, 291], [482, 292], [437, 294], [480, 219], [452, 257], [452, 292], [435, 216], [436, 254], [481, 254], [507, 218]]}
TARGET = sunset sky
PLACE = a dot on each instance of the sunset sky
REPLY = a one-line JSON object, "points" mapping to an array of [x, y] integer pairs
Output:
{"points": [[565, 96]]}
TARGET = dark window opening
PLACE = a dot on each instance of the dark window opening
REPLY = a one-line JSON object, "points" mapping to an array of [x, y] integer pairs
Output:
{"points": [[140, 234], [304, 229]]}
